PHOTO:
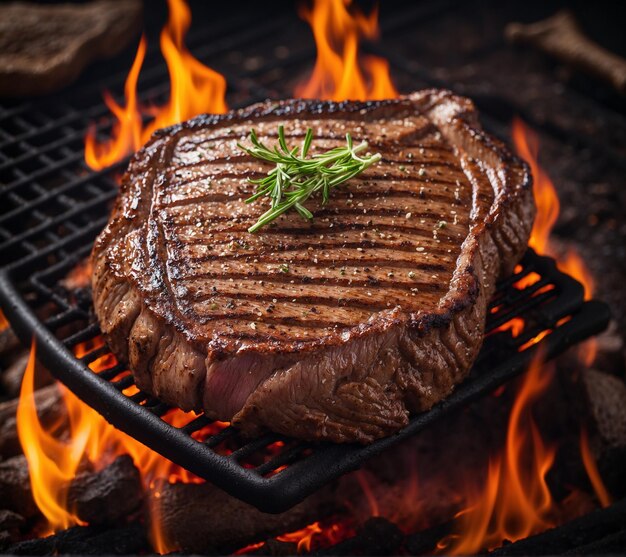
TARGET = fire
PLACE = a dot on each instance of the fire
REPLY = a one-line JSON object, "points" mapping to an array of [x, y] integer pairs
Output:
{"points": [[592, 471], [53, 462], [195, 88], [515, 502], [527, 146], [4, 323], [340, 73]]}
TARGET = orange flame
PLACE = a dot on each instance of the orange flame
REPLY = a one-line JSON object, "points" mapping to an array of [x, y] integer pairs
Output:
{"points": [[4, 323], [195, 89], [527, 146], [339, 73], [546, 199], [592, 470], [516, 500], [53, 462]]}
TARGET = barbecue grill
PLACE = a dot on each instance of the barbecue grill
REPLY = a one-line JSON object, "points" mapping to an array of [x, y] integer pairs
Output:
{"points": [[53, 207]]}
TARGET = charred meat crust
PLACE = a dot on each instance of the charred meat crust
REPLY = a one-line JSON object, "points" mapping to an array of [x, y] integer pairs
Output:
{"points": [[423, 354]]}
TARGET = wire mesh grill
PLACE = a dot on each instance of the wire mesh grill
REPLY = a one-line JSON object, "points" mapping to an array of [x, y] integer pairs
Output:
{"points": [[53, 206]]}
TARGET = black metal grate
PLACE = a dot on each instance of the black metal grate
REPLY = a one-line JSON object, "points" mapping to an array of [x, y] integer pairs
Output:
{"points": [[52, 207], [273, 472]]}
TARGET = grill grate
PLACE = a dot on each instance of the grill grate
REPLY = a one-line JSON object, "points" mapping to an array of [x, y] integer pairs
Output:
{"points": [[273, 472], [53, 207]]}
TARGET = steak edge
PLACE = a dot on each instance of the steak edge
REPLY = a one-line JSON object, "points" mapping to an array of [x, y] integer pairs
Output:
{"points": [[334, 329]]}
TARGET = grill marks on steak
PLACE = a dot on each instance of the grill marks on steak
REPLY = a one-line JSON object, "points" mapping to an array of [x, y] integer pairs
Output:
{"points": [[334, 328], [288, 282]]}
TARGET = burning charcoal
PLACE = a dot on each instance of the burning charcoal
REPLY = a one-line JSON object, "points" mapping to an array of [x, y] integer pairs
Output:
{"points": [[377, 536], [606, 395], [15, 491], [10, 524], [425, 542], [50, 409], [276, 548], [11, 378], [573, 536], [87, 540], [107, 496], [185, 510]]}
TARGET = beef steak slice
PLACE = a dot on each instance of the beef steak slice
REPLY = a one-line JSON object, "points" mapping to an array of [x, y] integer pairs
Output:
{"points": [[334, 329]]}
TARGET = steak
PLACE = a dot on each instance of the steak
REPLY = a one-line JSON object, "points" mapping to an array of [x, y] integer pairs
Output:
{"points": [[336, 328]]}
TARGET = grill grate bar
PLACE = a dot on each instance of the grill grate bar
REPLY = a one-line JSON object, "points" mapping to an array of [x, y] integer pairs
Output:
{"points": [[274, 477], [253, 446]]}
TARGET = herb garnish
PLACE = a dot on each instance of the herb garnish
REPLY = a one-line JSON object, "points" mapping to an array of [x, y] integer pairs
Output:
{"points": [[295, 177]]}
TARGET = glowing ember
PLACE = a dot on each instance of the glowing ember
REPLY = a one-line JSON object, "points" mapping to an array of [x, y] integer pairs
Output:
{"points": [[4, 324], [339, 73], [313, 536], [195, 89], [515, 326]]}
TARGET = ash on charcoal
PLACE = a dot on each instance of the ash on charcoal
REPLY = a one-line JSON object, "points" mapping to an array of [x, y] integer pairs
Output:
{"points": [[11, 377], [10, 525]]}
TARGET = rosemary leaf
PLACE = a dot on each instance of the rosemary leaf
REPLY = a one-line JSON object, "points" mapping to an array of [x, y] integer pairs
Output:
{"points": [[295, 177]]}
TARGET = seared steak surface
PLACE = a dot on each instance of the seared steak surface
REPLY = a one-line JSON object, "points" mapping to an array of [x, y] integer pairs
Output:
{"points": [[337, 328]]}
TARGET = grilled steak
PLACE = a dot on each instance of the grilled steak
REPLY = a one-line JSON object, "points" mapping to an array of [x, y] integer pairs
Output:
{"points": [[337, 328]]}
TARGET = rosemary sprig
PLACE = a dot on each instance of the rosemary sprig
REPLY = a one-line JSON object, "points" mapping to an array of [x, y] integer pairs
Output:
{"points": [[295, 177]]}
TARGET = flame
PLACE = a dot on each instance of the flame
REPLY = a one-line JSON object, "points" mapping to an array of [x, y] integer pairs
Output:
{"points": [[4, 323], [516, 500], [547, 202], [195, 88], [53, 462], [592, 470], [527, 146], [515, 326], [340, 73], [318, 534]]}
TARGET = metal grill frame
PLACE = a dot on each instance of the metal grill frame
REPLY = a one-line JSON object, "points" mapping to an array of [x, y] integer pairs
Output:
{"points": [[279, 492], [36, 257]]}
